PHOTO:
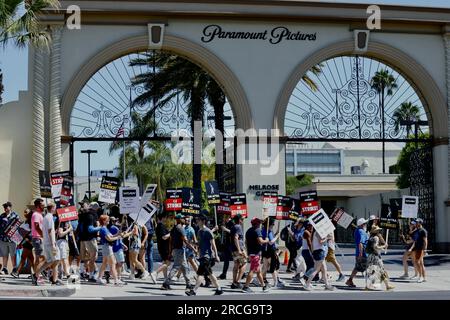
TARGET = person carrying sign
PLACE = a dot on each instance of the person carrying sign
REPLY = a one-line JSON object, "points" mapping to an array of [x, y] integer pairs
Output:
{"points": [[7, 246], [178, 242], [238, 251], [376, 272], [271, 262], [226, 226], [27, 246], [409, 242], [419, 248], [36, 234], [163, 241]]}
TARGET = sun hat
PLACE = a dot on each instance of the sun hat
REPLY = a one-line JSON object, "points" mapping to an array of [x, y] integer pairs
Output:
{"points": [[361, 221], [375, 230]]}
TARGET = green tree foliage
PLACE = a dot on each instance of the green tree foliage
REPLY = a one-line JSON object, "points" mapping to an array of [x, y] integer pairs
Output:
{"points": [[403, 162], [293, 183], [19, 22]]}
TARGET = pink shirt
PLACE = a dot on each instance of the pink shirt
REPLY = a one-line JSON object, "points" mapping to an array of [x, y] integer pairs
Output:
{"points": [[37, 217]]}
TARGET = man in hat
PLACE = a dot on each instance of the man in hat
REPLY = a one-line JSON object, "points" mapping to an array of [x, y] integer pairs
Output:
{"points": [[178, 243], [419, 248], [238, 251], [208, 255], [7, 246], [254, 241], [361, 238]]}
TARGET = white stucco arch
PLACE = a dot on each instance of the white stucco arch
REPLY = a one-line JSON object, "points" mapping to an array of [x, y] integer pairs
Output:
{"points": [[433, 100], [182, 47]]}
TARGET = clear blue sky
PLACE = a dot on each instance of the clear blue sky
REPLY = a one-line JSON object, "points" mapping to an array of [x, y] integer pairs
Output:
{"points": [[13, 63]]}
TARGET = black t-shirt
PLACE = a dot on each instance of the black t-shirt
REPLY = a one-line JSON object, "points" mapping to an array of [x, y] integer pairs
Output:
{"points": [[176, 235], [229, 225], [421, 235], [88, 219], [161, 230], [236, 230], [64, 226], [251, 236]]}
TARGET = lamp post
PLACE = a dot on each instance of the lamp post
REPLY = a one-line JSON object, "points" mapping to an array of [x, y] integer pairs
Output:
{"points": [[89, 151]]}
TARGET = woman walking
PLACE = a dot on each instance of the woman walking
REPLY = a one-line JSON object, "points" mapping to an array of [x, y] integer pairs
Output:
{"points": [[409, 241], [27, 246], [376, 273], [134, 248]]}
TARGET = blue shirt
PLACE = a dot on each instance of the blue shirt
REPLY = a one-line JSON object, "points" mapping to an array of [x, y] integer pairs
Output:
{"points": [[361, 237], [190, 232], [204, 242], [117, 245], [271, 237], [103, 233]]}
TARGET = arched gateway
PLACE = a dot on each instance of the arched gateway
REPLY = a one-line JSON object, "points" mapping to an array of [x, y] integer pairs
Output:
{"points": [[258, 74]]}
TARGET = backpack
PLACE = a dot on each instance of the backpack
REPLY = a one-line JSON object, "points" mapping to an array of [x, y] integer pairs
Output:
{"points": [[370, 244], [284, 235]]}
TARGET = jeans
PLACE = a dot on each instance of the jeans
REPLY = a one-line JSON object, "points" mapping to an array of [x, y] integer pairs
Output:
{"points": [[292, 255], [227, 256], [149, 254], [179, 263]]}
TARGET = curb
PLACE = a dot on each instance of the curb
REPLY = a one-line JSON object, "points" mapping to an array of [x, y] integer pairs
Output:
{"points": [[44, 292]]}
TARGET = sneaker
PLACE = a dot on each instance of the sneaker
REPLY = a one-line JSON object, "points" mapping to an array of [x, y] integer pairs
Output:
{"points": [[420, 280], [58, 282], [93, 280], [308, 287], [281, 284], [119, 283], [414, 278], [139, 274], [244, 276], [145, 275], [281, 281], [190, 286], [247, 290], [174, 279], [404, 276], [390, 287], [266, 288], [288, 271], [321, 281], [101, 281], [340, 278], [125, 273], [131, 276], [33, 279], [165, 286], [329, 288], [236, 286], [191, 293], [218, 292], [255, 282], [223, 276], [296, 277], [5, 271], [350, 284], [15, 274], [153, 277], [40, 282]]}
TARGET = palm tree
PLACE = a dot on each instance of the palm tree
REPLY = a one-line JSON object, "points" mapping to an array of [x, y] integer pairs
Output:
{"points": [[135, 151], [407, 112], [177, 76], [385, 84], [1, 87], [316, 70], [19, 22]]}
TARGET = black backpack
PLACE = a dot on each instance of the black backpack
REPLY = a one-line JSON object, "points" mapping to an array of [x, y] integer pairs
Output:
{"points": [[284, 235]]}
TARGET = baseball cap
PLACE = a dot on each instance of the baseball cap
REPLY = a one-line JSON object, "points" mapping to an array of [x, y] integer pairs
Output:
{"points": [[204, 212], [255, 220], [361, 221], [179, 216], [372, 217], [238, 216], [419, 220], [94, 206]]}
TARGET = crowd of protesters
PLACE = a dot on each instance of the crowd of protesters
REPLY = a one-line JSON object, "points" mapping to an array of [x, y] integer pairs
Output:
{"points": [[57, 252]]}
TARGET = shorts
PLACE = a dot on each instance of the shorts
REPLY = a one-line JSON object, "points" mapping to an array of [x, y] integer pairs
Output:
{"points": [[62, 247], [419, 254], [73, 249], [89, 249], [239, 258], [361, 264], [120, 256], [331, 257], [50, 255], [318, 255], [274, 262], [205, 266], [107, 250], [255, 262], [7, 249], [37, 246]]}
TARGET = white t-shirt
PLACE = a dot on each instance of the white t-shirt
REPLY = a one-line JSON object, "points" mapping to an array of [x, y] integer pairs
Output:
{"points": [[48, 225]]}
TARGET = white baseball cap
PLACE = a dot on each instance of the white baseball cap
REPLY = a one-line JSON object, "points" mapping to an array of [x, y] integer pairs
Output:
{"points": [[361, 221], [372, 217]]}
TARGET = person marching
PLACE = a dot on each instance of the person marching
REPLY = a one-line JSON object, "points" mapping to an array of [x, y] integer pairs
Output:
{"points": [[36, 233], [408, 240], [7, 246], [271, 262], [254, 240], [163, 242], [238, 251], [207, 256], [331, 257], [133, 251], [419, 248], [51, 251], [27, 246], [376, 272], [178, 242], [361, 238]]}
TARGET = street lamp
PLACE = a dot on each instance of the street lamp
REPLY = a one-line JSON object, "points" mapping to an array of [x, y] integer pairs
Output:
{"points": [[88, 151]]}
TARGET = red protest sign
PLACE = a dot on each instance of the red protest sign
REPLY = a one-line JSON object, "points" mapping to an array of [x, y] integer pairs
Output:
{"points": [[309, 202], [67, 214], [224, 206], [174, 200], [238, 205], [283, 207]]}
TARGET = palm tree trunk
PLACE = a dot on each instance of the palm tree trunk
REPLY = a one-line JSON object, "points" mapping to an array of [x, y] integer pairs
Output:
{"points": [[220, 151], [383, 134], [197, 116]]}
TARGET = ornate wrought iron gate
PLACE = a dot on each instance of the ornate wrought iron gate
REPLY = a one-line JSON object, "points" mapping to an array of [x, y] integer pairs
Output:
{"points": [[422, 186]]}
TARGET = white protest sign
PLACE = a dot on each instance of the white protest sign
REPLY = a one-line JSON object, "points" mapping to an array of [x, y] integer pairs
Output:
{"points": [[410, 206], [108, 189], [321, 223], [144, 215], [345, 220], [147, 196], [129, 199]]}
